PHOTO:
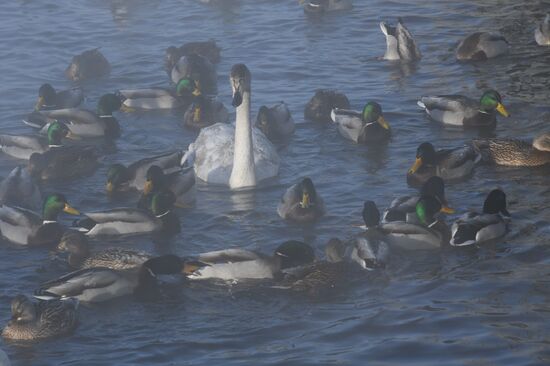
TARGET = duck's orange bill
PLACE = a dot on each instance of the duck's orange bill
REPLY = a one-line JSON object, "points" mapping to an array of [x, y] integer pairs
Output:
{"points": [[502, 110], [417, 164]]}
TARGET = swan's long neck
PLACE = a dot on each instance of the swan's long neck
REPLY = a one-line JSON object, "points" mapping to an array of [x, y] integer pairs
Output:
{"points": [[243, 173]]}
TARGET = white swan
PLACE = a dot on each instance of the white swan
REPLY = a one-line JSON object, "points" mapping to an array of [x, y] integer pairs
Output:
{"points": [[237, 156]]}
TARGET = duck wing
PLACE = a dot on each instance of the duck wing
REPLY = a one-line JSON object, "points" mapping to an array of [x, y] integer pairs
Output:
{"points": [[19, 189], [76, 283], [22, 147], [231, 255], [474, 228], [18, 224], [349, 123], [408, 50], [69, 98]]}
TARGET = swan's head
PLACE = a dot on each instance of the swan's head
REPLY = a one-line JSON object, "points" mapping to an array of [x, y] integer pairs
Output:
{"points": [[240, 82], [542, 142]]}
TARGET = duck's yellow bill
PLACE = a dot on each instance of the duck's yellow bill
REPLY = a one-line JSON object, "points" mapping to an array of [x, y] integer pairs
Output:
{"points": [[148, 187], [197, 114], [417, 164], [383, 123], [72, 211], [197, 90], [447, 210], [39, 103], [305, 200], [109, 187], [502, 110], [126, 109]]}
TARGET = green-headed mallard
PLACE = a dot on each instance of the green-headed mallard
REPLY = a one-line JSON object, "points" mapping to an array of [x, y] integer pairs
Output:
{"points": [[23, 146], [121, 221], [240, 264], [461, 111], [45, 319], [181, 184], [49, 98], [76, 244], [542, 32], [134, 176], [19, 189], [368, 126], [275, 122], [515, 152], [208, 49], [480, 46], [400, 44], [449, 164], [320, 106], [205, 111], [323, 6], [199, 69], [88, 65], [100, 284], [301, 203], [474, 228], [25, 227], [64, 163], [82, 122]]}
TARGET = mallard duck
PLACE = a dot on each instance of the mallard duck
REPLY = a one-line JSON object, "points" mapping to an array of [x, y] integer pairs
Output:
{"points": [[25, 227], [474, 228], [240, 264], [515, 152], [45, 319], [322, 6], [100, 284], [449, 164], [457, 110], [400, 44], [88, 65], [404, 208], [205, 111], [181, 184], [49, 99], [19, 189], [23, 146], [208, 49], [134, 176], [275, 122], [198, 68], [480, 46], [301, 203], [368, 126], [64, 163], [121, 221], [320, 106], [542, 32], [240, 155], [82, 122], [80, 256], [159, 98]]}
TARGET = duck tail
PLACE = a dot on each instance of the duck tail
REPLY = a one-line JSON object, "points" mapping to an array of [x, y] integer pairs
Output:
{"points": [[188, 159], [421, 104]]}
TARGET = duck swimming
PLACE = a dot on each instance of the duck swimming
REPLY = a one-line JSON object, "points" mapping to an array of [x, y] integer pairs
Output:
{"points": [[19, 189], [45, 319], [474, 228], [400, 44], [542, 32], [301, 203], [89, 64], [208, 49], [275, 122], [457, 110], [449, 164], [480, 46], [515, 152], [320, 106], [199, 69], [25, 227], [237, 156], [49, 98], [368, 126], [205, 111], [181, 184], [23, 146], [323, 6]]}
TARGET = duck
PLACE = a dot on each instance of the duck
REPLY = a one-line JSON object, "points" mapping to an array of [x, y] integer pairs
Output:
{"points": [[515, 152], [449, 164], [23, 146], [368, 126], [24, 227], [400, 44], [42, 320], [239, 156], [181, 184], [208, 49], [475, 228], [205, 111], [404, 208], [82, 123], [76, 244], [320, 106], [100, 284], [480, 46], [49, 98], [237, 264], [122, 221], [461, 111], [19, 189], [63, 163], [323, 6], [134, 176], [275, 122], [90, 64], [158, 98], [542, 32], [301, 203], [199, 69]]}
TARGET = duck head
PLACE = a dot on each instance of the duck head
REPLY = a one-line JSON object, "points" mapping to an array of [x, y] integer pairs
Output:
{"points": [[155, 179], [490, 101], [308, 193], [240, 80], [54, 204], [435, 186], [187, 87], [22, 310], [496, 203], [425, 155], [57, 131], [46, 96], [107, 104], [294, 253], [426, 209], [264, 120], [372, 112], [371, 215], [76, 244], [117, 177]]}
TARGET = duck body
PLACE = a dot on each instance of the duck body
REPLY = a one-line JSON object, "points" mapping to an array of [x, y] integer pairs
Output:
{"points": [[542, 32], [150, 99], [199, 69], [89, 64], [514, 152], [49, 98], [205, 111], [301, 203], [320, 106], [19, 189], [208, 49], [275, 122], [119, 221], [400, 44], [480, 46], [64, 163], [22, 147], [409, 236]]}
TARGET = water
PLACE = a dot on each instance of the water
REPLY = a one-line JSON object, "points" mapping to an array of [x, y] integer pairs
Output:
{"points": [[474, 306]]}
